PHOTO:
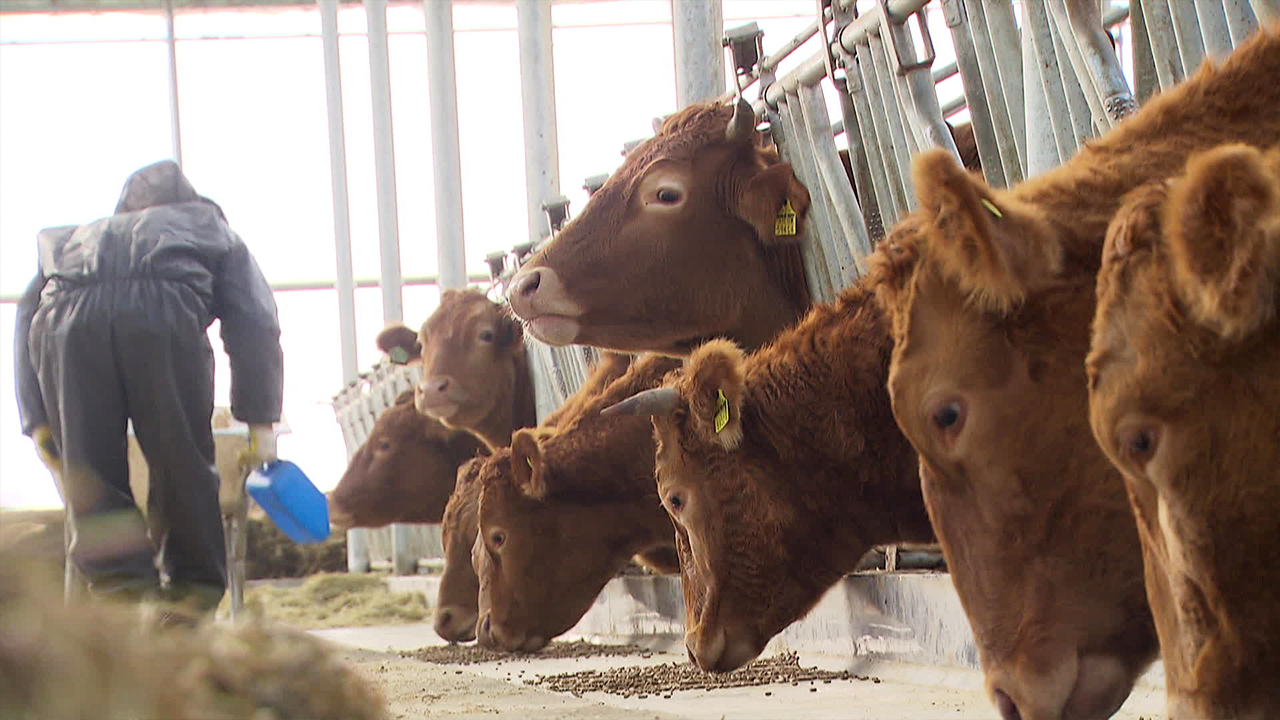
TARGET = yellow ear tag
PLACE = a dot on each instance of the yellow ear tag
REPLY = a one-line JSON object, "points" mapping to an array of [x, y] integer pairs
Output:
{"points": [[785, 223], [992, 207], [398, 355], [530, 461], [722, 410]]}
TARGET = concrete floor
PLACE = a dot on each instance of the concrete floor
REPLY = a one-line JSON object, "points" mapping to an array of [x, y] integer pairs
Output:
{"points": [[419, 689]]}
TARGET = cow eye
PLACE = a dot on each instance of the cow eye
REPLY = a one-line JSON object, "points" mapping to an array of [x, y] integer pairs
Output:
{"points": [[497, 539], [1140, 444], [949, 416], [486, 336], [668, 196], [384, 445], [676, 502]]}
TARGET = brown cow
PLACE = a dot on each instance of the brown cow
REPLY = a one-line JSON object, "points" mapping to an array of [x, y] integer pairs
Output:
{"points": [[456, 601], [991, 295], [474, 372], [563, 511], [1184, 397], [781, 469], [679, 245], [403, 473]]}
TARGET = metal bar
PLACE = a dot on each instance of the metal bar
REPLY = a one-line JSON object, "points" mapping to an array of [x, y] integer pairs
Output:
{"points": [[853, 242], [1186, 28], [820, 220], [310, 285], [1164, 42], [1098, 57], [994, 87], [1072, 87], [1267, 11], [859, 164], [881, 181], [338, 182], [1145, 81], [1007, 43], [175, 124], [850, 37], [384, 161], [921, 93], [974, 93], [817, 271], [1241, 20], [446, 157], [891, 211], [538, 97], [1213, 28], [901, 153], [1042, 141], [697, 27]]}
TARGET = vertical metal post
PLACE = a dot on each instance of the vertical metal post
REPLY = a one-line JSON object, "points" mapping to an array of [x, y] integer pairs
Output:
{"points": [[1241, 22], [1006, 42], [1097, 60], [1267, 11], [175, 127], [989, 150], [384, 161], [994, 87], [889, 211], [1164, 43], [1145, 80], [338, 181], [697, 27], [538, 98], [1042, 143], [1186, 27], [1212, 19], [442, 85]]}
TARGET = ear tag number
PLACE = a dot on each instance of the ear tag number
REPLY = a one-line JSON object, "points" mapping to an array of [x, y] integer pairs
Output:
{"points": [[722, 411], [785, 223]]}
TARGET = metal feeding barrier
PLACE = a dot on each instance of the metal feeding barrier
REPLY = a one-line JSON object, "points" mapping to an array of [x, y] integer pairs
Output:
{"points": [[1038, 78]]}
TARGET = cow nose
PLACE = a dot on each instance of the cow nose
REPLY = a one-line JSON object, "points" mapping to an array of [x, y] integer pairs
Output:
{"points": [[484, 633], [706, 648], [1004, 703], [524, 285]]}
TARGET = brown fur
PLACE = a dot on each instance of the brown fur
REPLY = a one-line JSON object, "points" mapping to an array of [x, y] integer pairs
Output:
{"points": [[457, 605], [404, 472], [1185, 401], [487, 381], [767, 523], [664, 281], [563, 511], [990, 318]]}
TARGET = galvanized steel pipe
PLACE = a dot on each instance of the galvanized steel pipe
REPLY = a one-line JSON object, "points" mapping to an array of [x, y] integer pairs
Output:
{"points": [[538, 100], [446, 158], [384, 161], [697, 27]]}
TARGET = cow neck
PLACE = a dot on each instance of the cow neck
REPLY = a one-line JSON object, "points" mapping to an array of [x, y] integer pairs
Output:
{"points": [[783, 303], [524, 409], [818, 396]]}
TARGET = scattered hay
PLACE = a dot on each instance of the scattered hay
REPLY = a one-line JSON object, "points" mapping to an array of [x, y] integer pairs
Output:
{"points": [[467, 654], [334, 600], [669, 677]]}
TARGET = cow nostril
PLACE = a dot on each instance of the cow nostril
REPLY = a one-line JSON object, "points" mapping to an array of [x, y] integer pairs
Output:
{"points": [[529, 284], [1004, 703], [443, 617], [484, 625]]}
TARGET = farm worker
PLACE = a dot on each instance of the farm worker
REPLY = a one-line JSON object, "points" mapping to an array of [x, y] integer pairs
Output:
{"points": [[112, 329]]}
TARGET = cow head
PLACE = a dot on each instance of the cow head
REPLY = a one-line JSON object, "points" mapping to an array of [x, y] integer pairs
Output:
{"points": [[1184, 398], [683, 242], [472, 356], [403, 472], [749, 562], [457, 597], [560, 514], [989, 314]]}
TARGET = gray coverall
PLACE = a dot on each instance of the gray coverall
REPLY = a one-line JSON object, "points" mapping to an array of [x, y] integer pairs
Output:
{"points": [[112, 329]]}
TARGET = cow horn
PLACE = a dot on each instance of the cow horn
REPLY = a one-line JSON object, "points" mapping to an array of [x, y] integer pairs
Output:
{"points": [[655, 401], [742, 124]]}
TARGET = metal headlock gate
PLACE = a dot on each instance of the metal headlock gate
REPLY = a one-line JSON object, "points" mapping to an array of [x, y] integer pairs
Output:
{"points": [[1039, 78]]}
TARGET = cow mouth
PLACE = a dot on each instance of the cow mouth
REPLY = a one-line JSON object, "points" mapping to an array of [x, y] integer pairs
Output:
{"points": [[439, 410], [554, 329]]}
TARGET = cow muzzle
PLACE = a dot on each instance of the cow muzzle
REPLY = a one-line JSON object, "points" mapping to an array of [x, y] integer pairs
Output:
{"points": [[439, 396], [455, 623], [539, 297], [718, 650], [497, 636]]}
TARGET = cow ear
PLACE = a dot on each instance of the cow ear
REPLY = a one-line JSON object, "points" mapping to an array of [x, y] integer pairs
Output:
{"points": [[400, 344], [994, 247], [775, 203], [713, 380], [1222, 225], [526, 464]]}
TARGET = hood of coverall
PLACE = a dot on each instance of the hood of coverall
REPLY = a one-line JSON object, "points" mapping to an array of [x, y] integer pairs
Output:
{"points": [[160, 183]]}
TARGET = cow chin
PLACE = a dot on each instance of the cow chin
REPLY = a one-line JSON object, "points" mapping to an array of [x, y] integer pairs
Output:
{"points": [[555, 329], [1087, 686]]}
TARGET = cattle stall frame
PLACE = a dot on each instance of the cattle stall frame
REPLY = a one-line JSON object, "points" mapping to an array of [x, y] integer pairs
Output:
{"points": [[1046, 63]]}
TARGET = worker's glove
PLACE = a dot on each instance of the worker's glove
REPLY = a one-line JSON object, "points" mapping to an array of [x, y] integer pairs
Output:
{"points": [[47, 448], [262, 446]]}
